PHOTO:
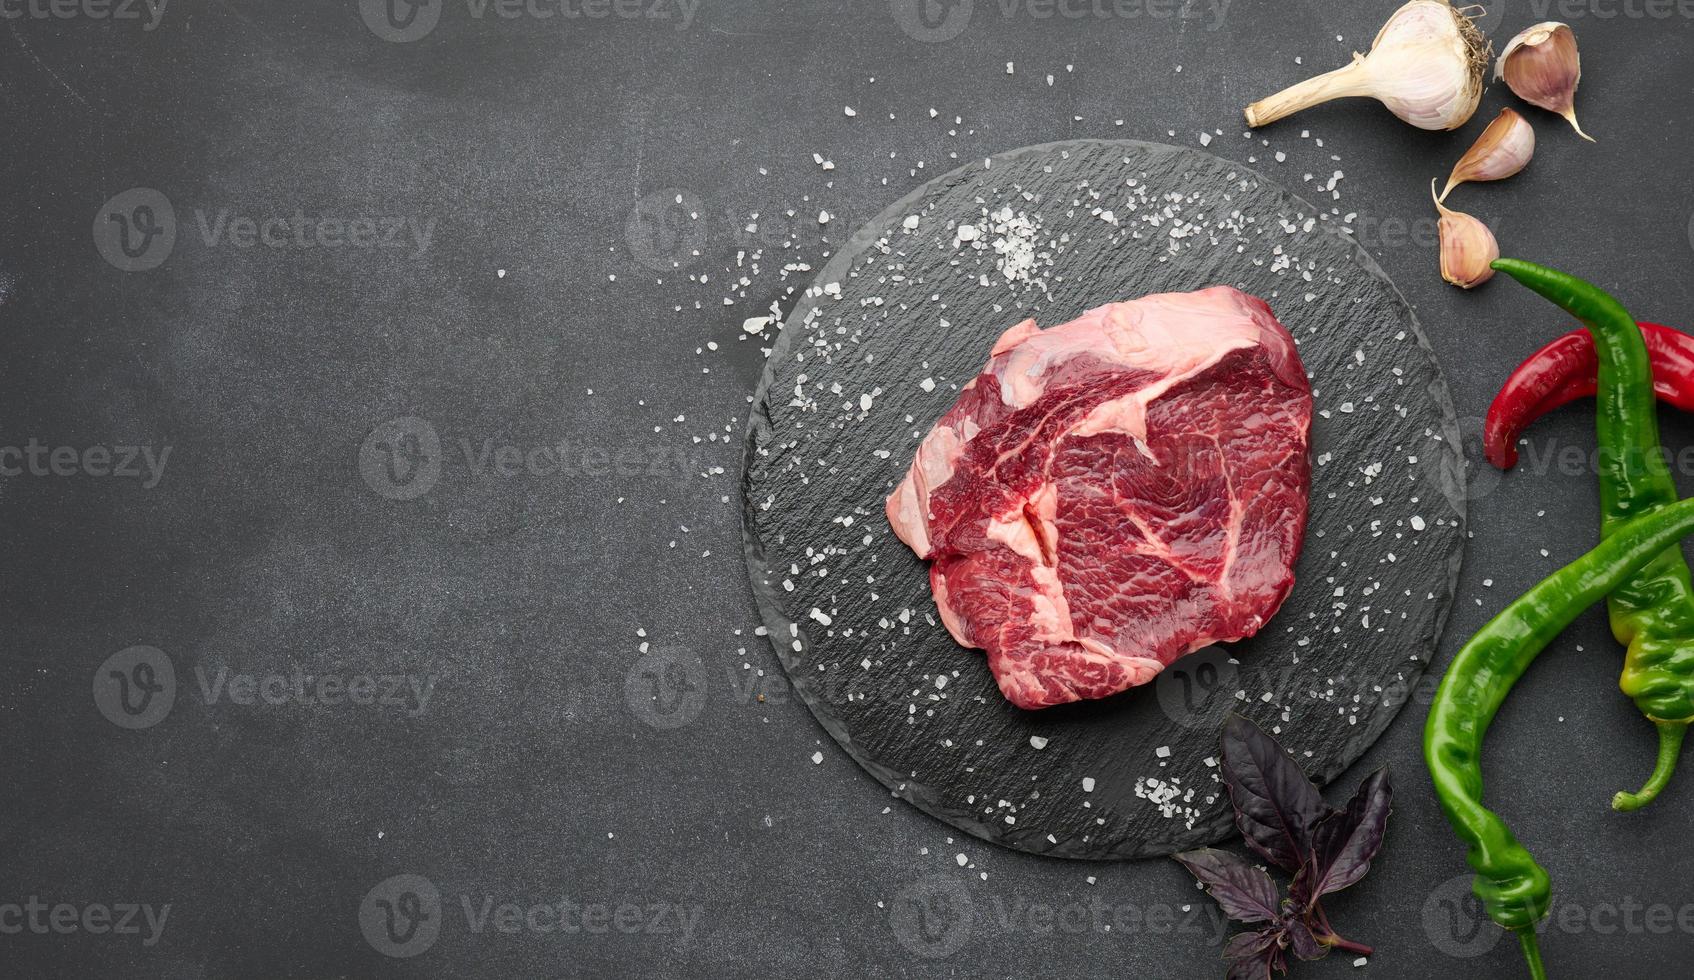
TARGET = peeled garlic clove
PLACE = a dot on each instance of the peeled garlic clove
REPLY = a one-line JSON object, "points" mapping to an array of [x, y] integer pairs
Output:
{"points": [[1503, 149], [1426, 65], [1468, 248], [1542, 66]]}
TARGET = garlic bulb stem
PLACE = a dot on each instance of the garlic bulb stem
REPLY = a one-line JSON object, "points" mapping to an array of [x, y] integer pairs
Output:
{"points": [[1344, 82]]}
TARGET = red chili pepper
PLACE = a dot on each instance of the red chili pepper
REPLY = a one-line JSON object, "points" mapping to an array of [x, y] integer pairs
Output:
{"points": [[1564, 371]]}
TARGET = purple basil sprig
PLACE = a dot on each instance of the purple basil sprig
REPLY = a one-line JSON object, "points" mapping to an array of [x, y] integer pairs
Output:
{"points": [[1285, 821]]}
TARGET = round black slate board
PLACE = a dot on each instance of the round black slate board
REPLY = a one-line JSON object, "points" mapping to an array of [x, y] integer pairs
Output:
{"points": [[907, 306]]}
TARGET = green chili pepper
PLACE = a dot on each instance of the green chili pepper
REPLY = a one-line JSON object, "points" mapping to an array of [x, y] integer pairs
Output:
{"points": [[1513, 888], [1653, 613]]}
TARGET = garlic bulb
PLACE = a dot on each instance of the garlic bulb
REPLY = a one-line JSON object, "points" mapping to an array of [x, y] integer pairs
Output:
{"points": [[1426, 65], [1542, 66], [1468, 248], [1503, 149]]}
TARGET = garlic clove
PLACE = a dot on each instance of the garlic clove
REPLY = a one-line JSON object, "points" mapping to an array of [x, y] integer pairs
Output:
{"points": [[1426, 65], [1543, 67], [1503, 149], [1468, 248]]}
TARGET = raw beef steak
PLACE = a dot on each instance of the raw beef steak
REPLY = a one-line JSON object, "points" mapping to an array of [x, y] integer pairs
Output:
{"points": [[1113, 493]]}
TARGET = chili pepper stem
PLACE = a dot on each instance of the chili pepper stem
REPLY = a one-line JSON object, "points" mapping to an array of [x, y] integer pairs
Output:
{"points": [[1670, 747], [1532, 953]]}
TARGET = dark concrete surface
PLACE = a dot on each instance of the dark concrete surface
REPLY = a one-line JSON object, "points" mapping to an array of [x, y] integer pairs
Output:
{"points": [[352, 491]]}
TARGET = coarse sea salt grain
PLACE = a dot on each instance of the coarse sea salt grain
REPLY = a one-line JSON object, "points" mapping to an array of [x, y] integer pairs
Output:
{"points": [[1036, 741]]}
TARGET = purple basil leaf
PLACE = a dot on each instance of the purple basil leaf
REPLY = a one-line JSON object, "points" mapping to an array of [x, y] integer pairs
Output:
{"points": [[1257, 966], [1245, 893], [1301, 941], [1344, 843], [1248, 944], [1276, 806]]}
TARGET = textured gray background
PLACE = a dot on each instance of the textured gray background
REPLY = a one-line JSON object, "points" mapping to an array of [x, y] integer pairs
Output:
{"points": [[540, 772]]}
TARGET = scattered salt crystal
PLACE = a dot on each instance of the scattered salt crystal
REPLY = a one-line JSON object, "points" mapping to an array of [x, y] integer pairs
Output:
{"points": [[817, 758], [1088, 784], [1163, 751], [1037, 742]]}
